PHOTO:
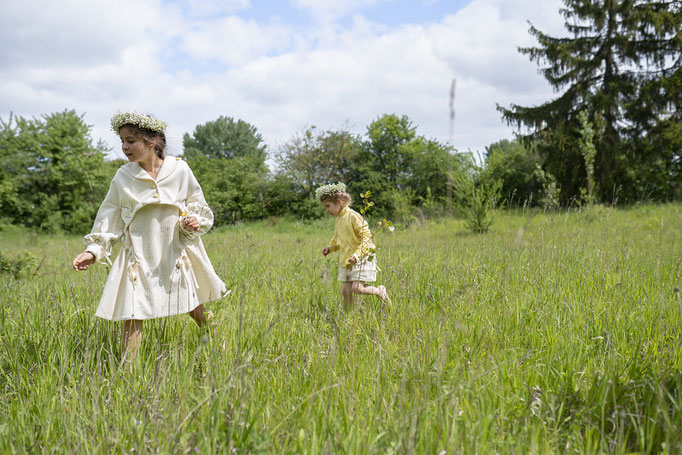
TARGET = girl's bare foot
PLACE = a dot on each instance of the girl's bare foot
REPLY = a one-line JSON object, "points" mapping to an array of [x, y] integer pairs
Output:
{"points": [[383, 295]]}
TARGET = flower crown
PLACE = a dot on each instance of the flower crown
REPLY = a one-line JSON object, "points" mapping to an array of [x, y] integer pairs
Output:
{"points": [[332, 188], [133, 118]]}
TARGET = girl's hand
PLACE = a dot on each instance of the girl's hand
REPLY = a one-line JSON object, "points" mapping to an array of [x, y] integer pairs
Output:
{"points": [[325, 250], [191, 223], [352, 260], [83, 260]]}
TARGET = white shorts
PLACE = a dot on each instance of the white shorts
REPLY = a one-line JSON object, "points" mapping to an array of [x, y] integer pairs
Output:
{"points": [[363, 271]]}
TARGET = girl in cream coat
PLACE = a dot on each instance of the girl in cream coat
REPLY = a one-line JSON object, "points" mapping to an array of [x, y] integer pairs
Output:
{"points": [[156, 208]]}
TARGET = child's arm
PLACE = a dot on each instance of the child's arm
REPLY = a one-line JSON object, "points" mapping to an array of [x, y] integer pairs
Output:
{"points": [[333, 245], [198, 217], [106, 231]]}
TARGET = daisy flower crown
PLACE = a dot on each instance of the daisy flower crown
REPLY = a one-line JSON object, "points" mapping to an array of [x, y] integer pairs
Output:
{"points": [[134, 118], [332, 188]]}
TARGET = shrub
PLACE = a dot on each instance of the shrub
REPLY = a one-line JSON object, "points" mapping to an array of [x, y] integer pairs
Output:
{"points": [[17, 264]]}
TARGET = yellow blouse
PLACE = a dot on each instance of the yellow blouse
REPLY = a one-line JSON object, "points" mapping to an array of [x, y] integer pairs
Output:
{"points": [[351, 237]]}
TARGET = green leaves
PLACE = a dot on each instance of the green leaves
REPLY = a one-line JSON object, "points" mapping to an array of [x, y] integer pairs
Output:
{"points": [[224, 138], [620, 65], [53, 176]]}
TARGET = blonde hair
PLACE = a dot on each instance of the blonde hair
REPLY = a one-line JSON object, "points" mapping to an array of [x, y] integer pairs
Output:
{"points": [[338, 196]]}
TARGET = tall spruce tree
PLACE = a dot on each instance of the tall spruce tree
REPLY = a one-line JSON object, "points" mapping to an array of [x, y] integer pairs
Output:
{"points": [[622, 66]]}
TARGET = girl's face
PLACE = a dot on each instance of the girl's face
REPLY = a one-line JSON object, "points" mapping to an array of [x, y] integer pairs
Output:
{"points": [[134, 147], [333, 207]]}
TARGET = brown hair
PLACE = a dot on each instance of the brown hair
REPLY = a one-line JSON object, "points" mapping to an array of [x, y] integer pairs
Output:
{"points": [[338, 196], [149, 136]]}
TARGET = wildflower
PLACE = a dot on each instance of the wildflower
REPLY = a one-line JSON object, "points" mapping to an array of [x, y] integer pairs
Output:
{"points": [[133, 118], [330, 189]]}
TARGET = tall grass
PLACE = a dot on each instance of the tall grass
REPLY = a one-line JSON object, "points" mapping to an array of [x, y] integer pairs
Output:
{"points": [[557, 332]]}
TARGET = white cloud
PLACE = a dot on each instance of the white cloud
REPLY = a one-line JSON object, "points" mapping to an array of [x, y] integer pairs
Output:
{"points": [[46, 33], [280, 77], [234, 41]]}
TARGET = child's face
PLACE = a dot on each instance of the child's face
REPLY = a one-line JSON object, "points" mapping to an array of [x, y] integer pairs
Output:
{"points": [[135, 148], [333, 207]]}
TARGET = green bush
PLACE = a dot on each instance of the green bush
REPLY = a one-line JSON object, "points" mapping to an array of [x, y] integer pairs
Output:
{"points": [[308, 209], [514, 165], [17, 264], [479, 199]]}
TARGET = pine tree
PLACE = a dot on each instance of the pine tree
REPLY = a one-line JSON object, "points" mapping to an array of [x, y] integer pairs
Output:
{"points": [[622, 66]]}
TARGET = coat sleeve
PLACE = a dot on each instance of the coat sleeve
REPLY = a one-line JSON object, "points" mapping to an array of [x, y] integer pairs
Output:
{"points": [[197, 207], [361, 229], [333, 244], [107, 228]]}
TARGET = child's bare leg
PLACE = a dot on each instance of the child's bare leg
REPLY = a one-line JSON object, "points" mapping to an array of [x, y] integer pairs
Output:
{"points": [[131, 336], [361, 288], [347, 293], [199, 315]]}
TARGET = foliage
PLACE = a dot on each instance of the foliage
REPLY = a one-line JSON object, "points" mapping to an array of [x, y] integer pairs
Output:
{"points": [[622, 64], [307, 208], [549, 196], [386, 137], [235, 189], [588, 150], [429, 165], [513, 164], [383, 224], [313, 158], [479, 198], [228, 159], [53, 177], [17, 264], [224, 138], [403, 168]]}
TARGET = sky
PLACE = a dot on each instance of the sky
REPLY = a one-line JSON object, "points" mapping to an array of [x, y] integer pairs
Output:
{"points": [[280, 65]]}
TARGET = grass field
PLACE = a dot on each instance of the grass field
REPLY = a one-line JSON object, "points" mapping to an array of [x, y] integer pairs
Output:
{"points": [[552, 333]]}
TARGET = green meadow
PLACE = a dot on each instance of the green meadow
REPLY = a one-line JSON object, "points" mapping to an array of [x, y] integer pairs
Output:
{"points": [[552, 333]]}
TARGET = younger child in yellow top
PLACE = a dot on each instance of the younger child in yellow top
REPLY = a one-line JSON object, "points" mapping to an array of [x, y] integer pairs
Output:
{"points": [[353, 240]]}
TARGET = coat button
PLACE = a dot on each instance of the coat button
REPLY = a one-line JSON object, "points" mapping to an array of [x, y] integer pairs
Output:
{"points": [[156, 196]]}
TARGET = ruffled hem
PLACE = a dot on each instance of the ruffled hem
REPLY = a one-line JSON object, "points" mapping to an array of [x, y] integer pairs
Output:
{"points": [[128, 293]]}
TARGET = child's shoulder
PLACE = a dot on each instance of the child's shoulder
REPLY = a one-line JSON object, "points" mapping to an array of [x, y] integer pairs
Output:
{"points": [[354, 217], [355, 214]]}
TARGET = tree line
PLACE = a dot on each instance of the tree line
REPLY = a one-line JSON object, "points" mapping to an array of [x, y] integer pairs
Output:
{"points": [[613, 134], [54, 176]]}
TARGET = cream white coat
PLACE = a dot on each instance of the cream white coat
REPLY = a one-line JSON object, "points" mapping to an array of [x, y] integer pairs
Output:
{"points": [[162, 268]]}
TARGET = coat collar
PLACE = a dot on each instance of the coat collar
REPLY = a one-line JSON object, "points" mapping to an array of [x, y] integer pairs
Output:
{"points": [[170, 163]]}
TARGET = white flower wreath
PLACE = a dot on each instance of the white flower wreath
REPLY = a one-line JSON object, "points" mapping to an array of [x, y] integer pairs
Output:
{"points": [[133, 118], [332, 188]]}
